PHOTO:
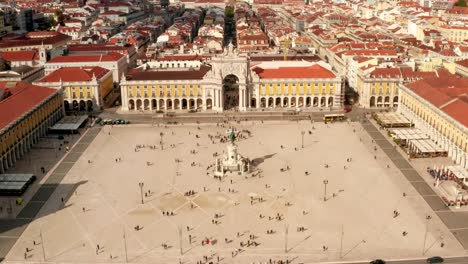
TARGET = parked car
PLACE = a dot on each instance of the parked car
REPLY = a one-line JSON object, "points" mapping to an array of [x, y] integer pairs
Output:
{"points": [[107, 121], [120, 122], [377, 261], [435, 259]]}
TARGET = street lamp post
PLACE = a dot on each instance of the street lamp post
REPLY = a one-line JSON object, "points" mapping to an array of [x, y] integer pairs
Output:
{"points": [[325, 182], [161, 141], [302, 133], [42, 245], [180, 240], [425, 233], [141, 184], [125, 247]]}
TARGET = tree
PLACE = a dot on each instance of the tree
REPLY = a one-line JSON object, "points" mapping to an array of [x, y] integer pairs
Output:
{"points": [[229, 12], [60, 17], [52, 22], [461, 3]]}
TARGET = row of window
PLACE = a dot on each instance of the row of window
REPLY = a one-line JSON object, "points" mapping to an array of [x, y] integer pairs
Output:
{"points": [[161, 93], [380, 90], [78, 92], [153, 87], [300, 90], [301, 85]]}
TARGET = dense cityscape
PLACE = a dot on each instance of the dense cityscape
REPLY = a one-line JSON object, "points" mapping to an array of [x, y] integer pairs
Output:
{"points": [[212, 131]]}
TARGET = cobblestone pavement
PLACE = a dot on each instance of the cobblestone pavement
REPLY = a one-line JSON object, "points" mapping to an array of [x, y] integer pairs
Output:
{"points": [[355, 222], [11, 229], [456, 222]]}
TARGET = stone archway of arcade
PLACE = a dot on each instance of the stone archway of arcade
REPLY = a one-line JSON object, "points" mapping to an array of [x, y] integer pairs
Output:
{"points": [[292, 102], [22, 146], [167, 104], [383, 101], [79, 105]]}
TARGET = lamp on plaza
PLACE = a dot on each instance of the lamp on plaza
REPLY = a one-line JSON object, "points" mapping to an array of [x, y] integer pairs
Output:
{"points": [[325, 182], [161, 141], [42, 245], [302, 133], [141, 184], [125, 247], [428, 217]]}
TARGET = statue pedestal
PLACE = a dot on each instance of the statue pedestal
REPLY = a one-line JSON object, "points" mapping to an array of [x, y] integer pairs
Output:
{"points": [[231, 161]]}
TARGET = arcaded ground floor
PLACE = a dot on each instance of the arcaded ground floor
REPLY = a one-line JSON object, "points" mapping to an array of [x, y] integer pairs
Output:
{"points": [[194, 103], [356, 222]]}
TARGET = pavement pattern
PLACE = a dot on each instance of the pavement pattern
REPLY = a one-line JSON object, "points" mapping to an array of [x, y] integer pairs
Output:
{"points": [[456, 221], [11, 229], [102, 218]]}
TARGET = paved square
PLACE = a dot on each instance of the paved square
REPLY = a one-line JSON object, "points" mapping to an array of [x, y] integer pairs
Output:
{"points": [[355, 223]]}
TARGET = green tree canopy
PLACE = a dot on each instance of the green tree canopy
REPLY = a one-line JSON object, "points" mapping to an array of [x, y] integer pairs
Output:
{"points": [[229, 12], [461, 3], [52, 22]]}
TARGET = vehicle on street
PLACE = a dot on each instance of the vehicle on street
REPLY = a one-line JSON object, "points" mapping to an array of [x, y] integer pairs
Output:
{"points": [[377, 261], [347, 109], [435, 259], [333, 117]]}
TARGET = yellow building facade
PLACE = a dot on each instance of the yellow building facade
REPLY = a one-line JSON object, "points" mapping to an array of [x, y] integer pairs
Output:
{"points": [[230, 83], [446, 130], [307, 93], [164, 95], [90, 93], [18, 135], [378, 92]]}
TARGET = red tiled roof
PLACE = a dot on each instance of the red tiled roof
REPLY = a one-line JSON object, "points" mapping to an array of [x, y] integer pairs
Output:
{"points": [[314, 71], [448, 93], [99, 47], [111, 13], [385, 73], [34, 41], [27, 55], [457, 110], [112, 56], [463, 63], [198, 74], [24, 98], [291, 57], [75, 74], [371, 53], [459, 10], [448, 52]]}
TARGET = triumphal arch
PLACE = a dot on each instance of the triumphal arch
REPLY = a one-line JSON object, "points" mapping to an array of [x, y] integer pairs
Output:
{"points": [[229, 81]]}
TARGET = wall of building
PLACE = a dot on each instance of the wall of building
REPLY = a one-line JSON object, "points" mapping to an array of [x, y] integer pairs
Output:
{"points": [[297, 93], [141, 95], [84, 96], [377, 92], [19, 138], [443, 129], [461, 70]]}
